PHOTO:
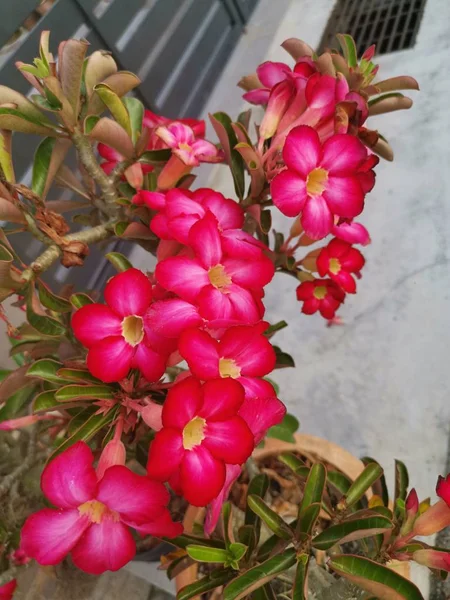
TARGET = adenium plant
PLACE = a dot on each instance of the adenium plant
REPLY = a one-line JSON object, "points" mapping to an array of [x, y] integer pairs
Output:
{"points": [[157, 387]]}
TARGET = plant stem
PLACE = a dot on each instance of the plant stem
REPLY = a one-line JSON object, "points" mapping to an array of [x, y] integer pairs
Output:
{"points": [[8, 481], [89, 161], [49, 256]]}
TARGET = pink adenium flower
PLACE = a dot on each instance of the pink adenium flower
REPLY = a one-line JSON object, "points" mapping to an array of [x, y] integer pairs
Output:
{"points": [[115, 334], [242, 353], [112, 158], [351, 232], [323, 295], [93, 516], [152, 121], [178, 210], [339, 260], [190, 150], [222, 286], [7, 590], [320, 182], [201, 434], [269, 74]]}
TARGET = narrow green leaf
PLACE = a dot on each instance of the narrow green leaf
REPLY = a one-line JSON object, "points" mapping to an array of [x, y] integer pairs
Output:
{"points": [[15, 403], [273, 521], [359, 487], [314, 488], [205, 584], [46, 325], [299, 591], [208, 555], [46, 369], [135, 110], [85, 392], [77, 375], [309, 518], [6, 163], [270, 331], [41, 164], [79, 300], [382, 582], [223, 127], [226, 520], [155, 157], [115, 106], [285, 430], [86, 431], [401, 483], [353, 529], [258, 486], [184, 540], [295, 464], [45, 401], [119, 261], [349, 49], [258, 576], [379, 487], [237, 550], [51, 300], [283, 359], [264, 593], [247, 536]]}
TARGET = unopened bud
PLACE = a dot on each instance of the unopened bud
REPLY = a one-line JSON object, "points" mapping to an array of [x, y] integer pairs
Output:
{"points": [[436, 518], [433, 559], [279, 100], [135, 176], [151, 415], [113, 453]]}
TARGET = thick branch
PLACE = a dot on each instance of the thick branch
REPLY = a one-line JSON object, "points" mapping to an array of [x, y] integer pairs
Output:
{"points": [[89, 162], [27, 463], [88, 236]]}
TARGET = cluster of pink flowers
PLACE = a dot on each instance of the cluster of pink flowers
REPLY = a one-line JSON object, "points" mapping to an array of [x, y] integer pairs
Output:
{"points": [[318, 168]]}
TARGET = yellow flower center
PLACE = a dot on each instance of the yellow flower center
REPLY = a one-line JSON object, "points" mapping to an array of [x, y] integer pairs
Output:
{"points": [[335, 266], [229, 368], [218, 277], [133, 329], [320, 292], [194, 433], [185, 147], [96, 511], [315, 184]]}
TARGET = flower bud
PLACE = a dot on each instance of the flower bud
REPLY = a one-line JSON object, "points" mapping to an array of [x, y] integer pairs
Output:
{"points": [[280, 97], [151, 415], [443, 488], [113, 453], [135, 176], [433, 559], [412, 509], [436, 518], [12, 424]]}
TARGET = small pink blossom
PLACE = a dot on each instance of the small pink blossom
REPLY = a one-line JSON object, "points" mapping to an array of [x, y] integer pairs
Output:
{"points": [[93, 515], [323, 295], [339, 260], [190, 150]]}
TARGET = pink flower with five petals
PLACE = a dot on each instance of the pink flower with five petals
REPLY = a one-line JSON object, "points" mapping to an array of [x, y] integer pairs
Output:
{"points": [[190, 150], [223, 286], [201, 434], [339, 260], [115, 334], [320, 181], [93, 516], [323, 295]]}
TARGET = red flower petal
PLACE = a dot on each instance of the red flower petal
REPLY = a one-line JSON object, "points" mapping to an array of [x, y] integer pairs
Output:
{"points": [[222, 399], [110, 359], [302, 150], [69, 479], [162, 527], [344, 196], [215, 508], [151, 364], [228, 212], [202, 476], [288, 192], [49, 535], [230, 440], [204, 238], [443, 489], [250, 274], [7, 590], [171, 317], [106, 546], [317, 219], [250, 349], [343, 154], [262, 413], [270, 73], [183, 276], [135, 497], [201, 352], [94, 322], [129, 293], [182, 403], [166, 453]]}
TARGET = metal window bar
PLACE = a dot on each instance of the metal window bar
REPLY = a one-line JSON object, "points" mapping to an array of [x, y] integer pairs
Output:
{"points": [[391, 25]]}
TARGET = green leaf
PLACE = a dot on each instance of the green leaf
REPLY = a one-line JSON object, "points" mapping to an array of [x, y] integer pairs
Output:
{"points": [[258, 576], [362, 483], [77, 375], [155, 157], [270, 331], [79, 300], [71, 71], [85, 392], [46, 325], [15, 403], [309, 518], [300, 590], [46, 369], [45, 401], [383, 583], [184, 540], [135, 110], [115, 105], [349, 49], [41, 164], [254, 165], [87, 430], [258, 486], [283, 359], [350, 530], [207, 555], [223, 127], [205, 584], [273, 521], [401, 483], [314, 488], [285, 430], [119, 261], [89, 123], [51, 300], [295, 464], [227, 512], [14, 120], [6, 164], [247, 536], [237, 550], [380, 487]]}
